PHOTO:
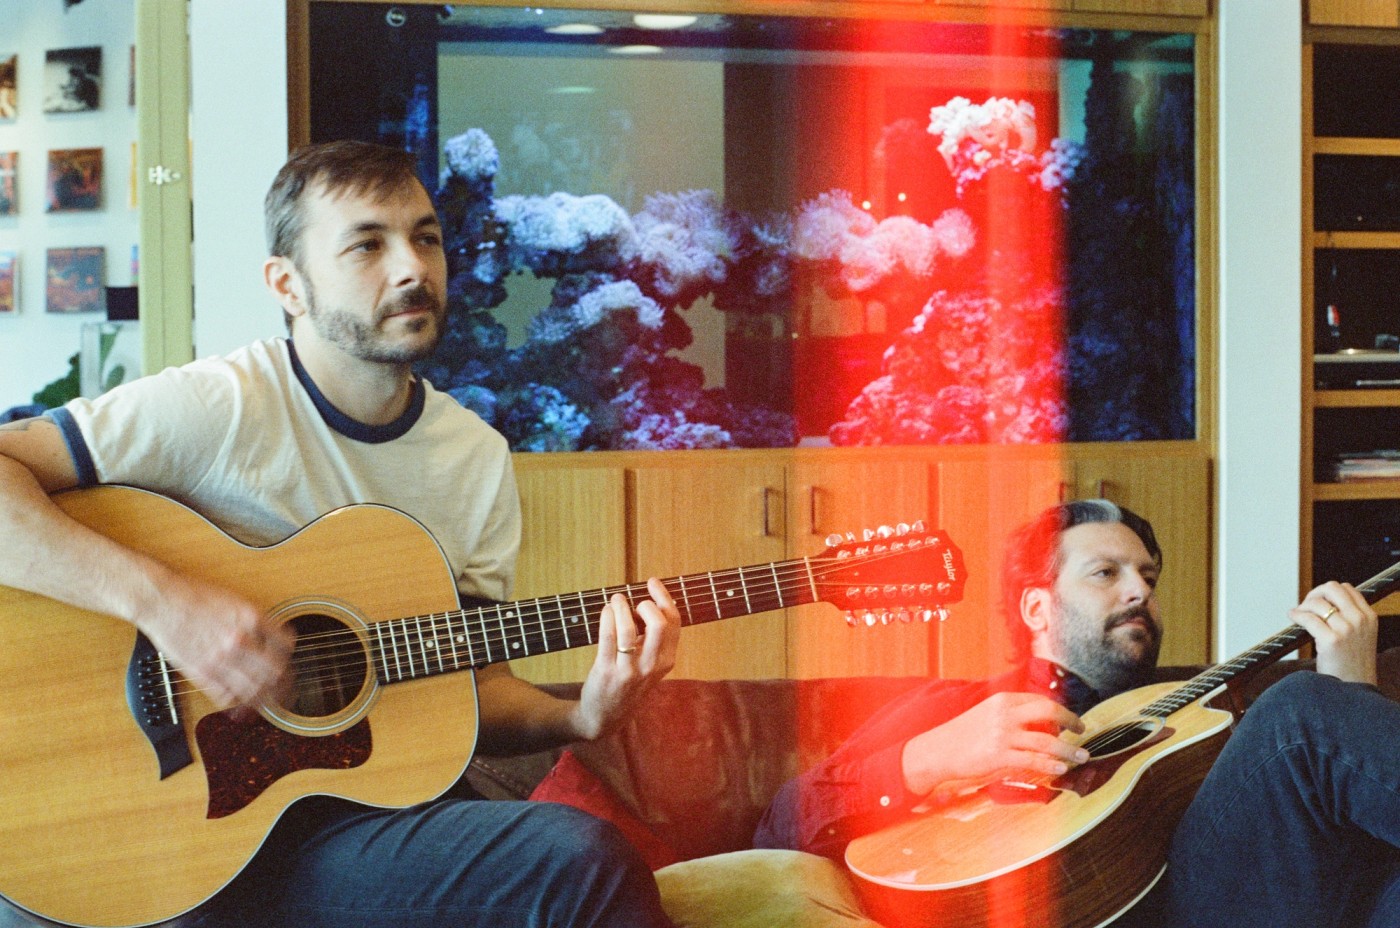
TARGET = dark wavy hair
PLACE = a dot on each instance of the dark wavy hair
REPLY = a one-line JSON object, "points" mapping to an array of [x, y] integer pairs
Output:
{"points": [[1032, 557]]}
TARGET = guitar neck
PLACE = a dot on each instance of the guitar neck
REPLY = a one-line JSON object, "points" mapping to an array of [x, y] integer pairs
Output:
{"points": [[1262, 654], [426, 645]]}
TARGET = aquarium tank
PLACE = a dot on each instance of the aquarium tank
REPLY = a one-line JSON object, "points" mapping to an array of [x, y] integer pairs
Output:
{"points": [[734, 231]]}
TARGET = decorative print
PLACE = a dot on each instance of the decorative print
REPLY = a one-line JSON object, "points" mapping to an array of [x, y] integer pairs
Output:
{"points": [[9, 87], [9, 183], [75, 278], [73, 79], [75, 180], [9, 282]]}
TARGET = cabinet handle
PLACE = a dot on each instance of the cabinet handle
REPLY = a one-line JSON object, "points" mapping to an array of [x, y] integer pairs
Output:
{"points": [[768, 506], [1103, 488], [813, 518], [1064, 491]]}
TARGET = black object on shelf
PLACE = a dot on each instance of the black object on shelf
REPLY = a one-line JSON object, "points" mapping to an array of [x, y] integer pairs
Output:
{"points": [[121, 304]]}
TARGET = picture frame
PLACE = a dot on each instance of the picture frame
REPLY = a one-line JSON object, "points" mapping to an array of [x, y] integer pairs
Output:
{"points": [[9, 183], [74, 182], [74, 279], [9, 282], [73, 79], [9, 87]]}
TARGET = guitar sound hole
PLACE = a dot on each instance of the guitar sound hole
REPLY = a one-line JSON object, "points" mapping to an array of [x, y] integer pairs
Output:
{"points": [[1121, 737], [330, 665]]}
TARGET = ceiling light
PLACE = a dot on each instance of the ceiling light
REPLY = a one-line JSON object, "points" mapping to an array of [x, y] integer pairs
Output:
{"points": [[571, 89], [636, 50], [575, 29], [663, 20]]}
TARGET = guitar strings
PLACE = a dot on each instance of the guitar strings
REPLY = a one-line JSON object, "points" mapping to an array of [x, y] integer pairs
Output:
{"points": [[530, 620]]}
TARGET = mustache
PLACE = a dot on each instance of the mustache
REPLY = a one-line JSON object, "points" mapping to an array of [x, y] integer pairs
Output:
{"points": [[419, 297], [1129, 615]]}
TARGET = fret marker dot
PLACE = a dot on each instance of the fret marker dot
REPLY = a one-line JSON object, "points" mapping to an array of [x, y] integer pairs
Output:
{"points": [[430, 644], [728, 592], [515, 644], [461, 638]]}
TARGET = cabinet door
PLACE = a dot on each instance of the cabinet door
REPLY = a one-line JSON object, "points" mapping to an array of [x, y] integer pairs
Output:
{"points": [[1144, 7], [573, 538], [842, 498], [1173, 493], [1381, 13], [687, 520], [980, 502]]}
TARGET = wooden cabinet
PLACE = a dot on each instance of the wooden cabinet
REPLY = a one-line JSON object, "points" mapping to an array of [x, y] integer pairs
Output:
{"points": [[1145, 7], [598, 520], [1372, 13]]}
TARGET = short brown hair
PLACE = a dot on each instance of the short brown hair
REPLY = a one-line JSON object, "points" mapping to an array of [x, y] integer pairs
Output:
{"points": [[344, 166], [1032, 556]]}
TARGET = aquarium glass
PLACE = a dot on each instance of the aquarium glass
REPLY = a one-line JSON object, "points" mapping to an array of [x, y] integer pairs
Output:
{"points": [[721, 231]]}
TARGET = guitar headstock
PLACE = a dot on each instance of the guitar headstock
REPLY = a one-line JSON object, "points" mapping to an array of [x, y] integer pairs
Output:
{"points": [[902, 573]]}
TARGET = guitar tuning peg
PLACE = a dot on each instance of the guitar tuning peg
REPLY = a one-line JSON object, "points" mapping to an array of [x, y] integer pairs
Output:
{"points": [[903, 616], [869, 618], [925, 615], [884, 531], [886, 618], [867, 535], [851, 618], [919, 526], [942, 613], [902, 528], [834, 539], [850, 536]]}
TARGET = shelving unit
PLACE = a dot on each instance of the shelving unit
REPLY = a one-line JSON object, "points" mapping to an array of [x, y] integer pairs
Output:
{"points": [[1345, 523]]}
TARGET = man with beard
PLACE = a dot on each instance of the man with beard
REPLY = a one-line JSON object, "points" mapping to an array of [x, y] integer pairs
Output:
{"points": [[267, 440], [1298, 822]]}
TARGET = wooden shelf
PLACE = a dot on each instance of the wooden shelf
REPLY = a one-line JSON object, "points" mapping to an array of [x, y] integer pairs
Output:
{"points": [[1379, 240], [1356, 399], [1333, 145], [1356, 490]]}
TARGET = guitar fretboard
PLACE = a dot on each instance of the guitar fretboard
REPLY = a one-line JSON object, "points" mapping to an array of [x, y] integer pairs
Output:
{"points": [[425, 645], [1262, 654]]}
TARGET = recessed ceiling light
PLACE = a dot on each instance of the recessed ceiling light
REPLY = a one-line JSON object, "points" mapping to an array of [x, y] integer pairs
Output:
{"points": [[663, 20], [636, 50], [572, 89], [575, 29]]}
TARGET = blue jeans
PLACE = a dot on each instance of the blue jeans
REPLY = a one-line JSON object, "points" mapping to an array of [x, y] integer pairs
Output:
{"points": [[1298, 822], [452, 863]]}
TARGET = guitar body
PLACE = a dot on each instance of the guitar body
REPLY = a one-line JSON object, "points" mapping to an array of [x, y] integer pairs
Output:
{"points": [[90, 833], [1075, 853]]}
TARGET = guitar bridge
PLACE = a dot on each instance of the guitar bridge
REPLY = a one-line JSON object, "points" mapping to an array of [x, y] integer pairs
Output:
{"points": [[150, 695]]}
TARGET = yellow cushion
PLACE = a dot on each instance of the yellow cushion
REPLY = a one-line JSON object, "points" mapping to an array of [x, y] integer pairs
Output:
{"points": [[760, 889]]}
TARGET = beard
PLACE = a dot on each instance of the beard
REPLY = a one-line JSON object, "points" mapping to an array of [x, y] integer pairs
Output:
{"points": [[367, 341], [1105, 656]]}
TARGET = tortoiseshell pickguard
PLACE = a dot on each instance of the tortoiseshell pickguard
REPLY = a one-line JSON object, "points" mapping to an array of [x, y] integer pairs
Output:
{"points": [[243, 758]]}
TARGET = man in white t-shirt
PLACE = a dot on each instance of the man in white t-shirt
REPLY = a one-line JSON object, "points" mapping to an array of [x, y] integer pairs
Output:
{"points": [[269, 439]]}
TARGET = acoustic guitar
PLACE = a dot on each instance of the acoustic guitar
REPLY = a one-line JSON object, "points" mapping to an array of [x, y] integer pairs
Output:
{"points": [[1074, 851], [126, 798]]}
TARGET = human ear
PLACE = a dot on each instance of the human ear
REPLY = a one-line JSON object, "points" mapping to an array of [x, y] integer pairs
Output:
{"points": [[284, 281], [1036, 609]]}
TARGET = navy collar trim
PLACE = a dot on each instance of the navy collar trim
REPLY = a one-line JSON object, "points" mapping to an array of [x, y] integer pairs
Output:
{"points": [[353, 428]]}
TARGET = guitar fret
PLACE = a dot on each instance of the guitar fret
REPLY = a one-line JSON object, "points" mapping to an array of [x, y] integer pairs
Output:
{"points": [[714, 592], [777, 585], [685, 597], [383, 654], [467, 636], [811, 579], [743, 585], [524, 638], [563, 621], [544, 634], [419, 648], [437, 643], [452, 641], [398, 664], [583, 607]]}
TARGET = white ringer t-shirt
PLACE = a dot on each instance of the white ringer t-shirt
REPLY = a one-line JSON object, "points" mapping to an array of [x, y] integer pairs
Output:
{"points": [[250, 443]]}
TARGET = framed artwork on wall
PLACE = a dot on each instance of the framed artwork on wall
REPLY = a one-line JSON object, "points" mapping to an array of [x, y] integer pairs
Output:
{"points": [[72, 79], [74, 279], [74, 180], [9, 87], [9, 280], [9, 183]]}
